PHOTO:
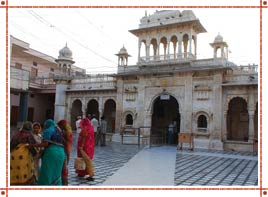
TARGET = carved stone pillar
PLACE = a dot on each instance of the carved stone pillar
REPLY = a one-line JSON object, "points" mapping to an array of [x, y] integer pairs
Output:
{"points": [[251, 126], [147, 52], [224, 126], [139, 51], [168, 51], [84, 108]]}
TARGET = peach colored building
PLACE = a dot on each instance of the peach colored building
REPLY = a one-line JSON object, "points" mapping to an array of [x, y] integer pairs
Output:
{"points": [[32, 86]]}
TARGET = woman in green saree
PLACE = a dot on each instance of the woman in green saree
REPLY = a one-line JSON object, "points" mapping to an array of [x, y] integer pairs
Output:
{"points": [[53, 156]]}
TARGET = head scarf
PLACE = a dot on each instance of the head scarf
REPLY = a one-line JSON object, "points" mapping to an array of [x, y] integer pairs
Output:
{"points": [[64, 125], [85, 124], [49, 124], [27, 126], [49, 129]]}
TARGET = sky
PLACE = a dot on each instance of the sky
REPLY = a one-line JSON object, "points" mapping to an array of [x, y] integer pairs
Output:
{"points": [[95, 35]]}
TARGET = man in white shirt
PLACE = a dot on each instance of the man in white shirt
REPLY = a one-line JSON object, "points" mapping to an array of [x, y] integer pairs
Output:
{"points": [[95, 124], [78, 129]]}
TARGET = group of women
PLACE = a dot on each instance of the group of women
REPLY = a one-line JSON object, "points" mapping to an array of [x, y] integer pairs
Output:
{"points": [[53, 148]]}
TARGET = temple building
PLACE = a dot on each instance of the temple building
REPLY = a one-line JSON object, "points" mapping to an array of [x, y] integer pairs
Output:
{"points": [[214, 99]]}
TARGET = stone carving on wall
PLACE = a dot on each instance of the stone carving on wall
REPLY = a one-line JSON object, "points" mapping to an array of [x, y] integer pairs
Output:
{"points": [[202, 92], [130, 92]]}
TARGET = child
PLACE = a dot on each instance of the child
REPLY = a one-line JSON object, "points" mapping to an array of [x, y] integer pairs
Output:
{"points": [[38, 138]]}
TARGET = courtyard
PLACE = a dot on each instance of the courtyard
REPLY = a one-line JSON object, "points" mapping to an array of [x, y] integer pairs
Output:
{"points": [[130, 165]]}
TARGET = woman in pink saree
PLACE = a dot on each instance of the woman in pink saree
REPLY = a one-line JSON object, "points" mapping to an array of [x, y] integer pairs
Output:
{"points": [[86, 144]]}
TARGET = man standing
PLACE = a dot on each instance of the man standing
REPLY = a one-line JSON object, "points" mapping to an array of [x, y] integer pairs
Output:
{"points": [[95, 124], [170, 133], [78, 129], [103, 128]]}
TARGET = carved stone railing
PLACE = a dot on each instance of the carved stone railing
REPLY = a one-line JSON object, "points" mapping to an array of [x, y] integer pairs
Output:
{"points": [[247, 78]]}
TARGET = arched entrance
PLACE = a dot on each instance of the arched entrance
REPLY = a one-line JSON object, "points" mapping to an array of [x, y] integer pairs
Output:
{"points": [[109, 113], [75, 111], [93, 108], [165, 110], [237, 120]]}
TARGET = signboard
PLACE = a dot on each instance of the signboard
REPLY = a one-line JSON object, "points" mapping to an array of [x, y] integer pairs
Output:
{"points": [[164, 97]]}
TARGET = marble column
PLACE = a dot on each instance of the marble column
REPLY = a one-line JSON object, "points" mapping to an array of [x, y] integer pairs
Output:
{"points": [[147, 52], [119, 105], [224, 126], [251, 126], [60, 101]]}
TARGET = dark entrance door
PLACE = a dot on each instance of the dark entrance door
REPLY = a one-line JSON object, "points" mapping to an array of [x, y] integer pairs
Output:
{"points": [[109, 113], [14, 115], [93, 108], [165, 111]]}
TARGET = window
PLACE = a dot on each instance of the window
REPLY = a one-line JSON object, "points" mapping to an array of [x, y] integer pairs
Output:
{"points": [[18, 65], [34, 72], [202, 123], [129, 119], [52, 69], [34, 63]]}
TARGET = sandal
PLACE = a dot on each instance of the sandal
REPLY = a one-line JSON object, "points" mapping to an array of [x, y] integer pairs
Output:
{"points": [[90, 178]]}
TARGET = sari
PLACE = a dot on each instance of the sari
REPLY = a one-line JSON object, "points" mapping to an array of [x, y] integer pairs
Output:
{"points": [[21, 158], [86, 143], [53, 156], [67, 143]]}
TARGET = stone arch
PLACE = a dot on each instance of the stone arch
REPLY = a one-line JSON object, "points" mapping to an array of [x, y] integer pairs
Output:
{"points": [[125, 114], [185, 41], [153, 48], [150, 106], [163, 47], [92, 108], [165, 109], [76, 110], [174, 41], [218, 52], [237, 120], [109, 113], [230, 97], [143, 49], [207, 117], [129, 120]]}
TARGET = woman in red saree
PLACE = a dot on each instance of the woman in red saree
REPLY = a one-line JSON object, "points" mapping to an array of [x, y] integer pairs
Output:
{"points": [[86, 143], [67, 143]]}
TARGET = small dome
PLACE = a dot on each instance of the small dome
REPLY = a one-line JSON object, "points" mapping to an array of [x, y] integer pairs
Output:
{"points": [[123, 50], [218, 38], [65, 53]]}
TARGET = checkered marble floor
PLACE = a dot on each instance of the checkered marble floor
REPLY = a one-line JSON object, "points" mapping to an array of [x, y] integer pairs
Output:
{"points": [[192, 168], [107, 160], [215, 168]]}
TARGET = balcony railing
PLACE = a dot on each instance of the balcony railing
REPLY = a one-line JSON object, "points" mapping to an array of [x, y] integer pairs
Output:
{"points": [[42, 82], [19, 79], [167, 58], [247, 78], [93, 82]]}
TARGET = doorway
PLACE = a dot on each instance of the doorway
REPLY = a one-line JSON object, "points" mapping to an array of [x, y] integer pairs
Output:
{"points": [[165, 111]]}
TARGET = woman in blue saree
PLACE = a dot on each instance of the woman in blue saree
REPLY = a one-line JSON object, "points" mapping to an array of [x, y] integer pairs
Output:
{"points": [[53, 156]]}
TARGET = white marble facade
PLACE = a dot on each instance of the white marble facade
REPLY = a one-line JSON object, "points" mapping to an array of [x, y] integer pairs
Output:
{"points": [[200, 94]]}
